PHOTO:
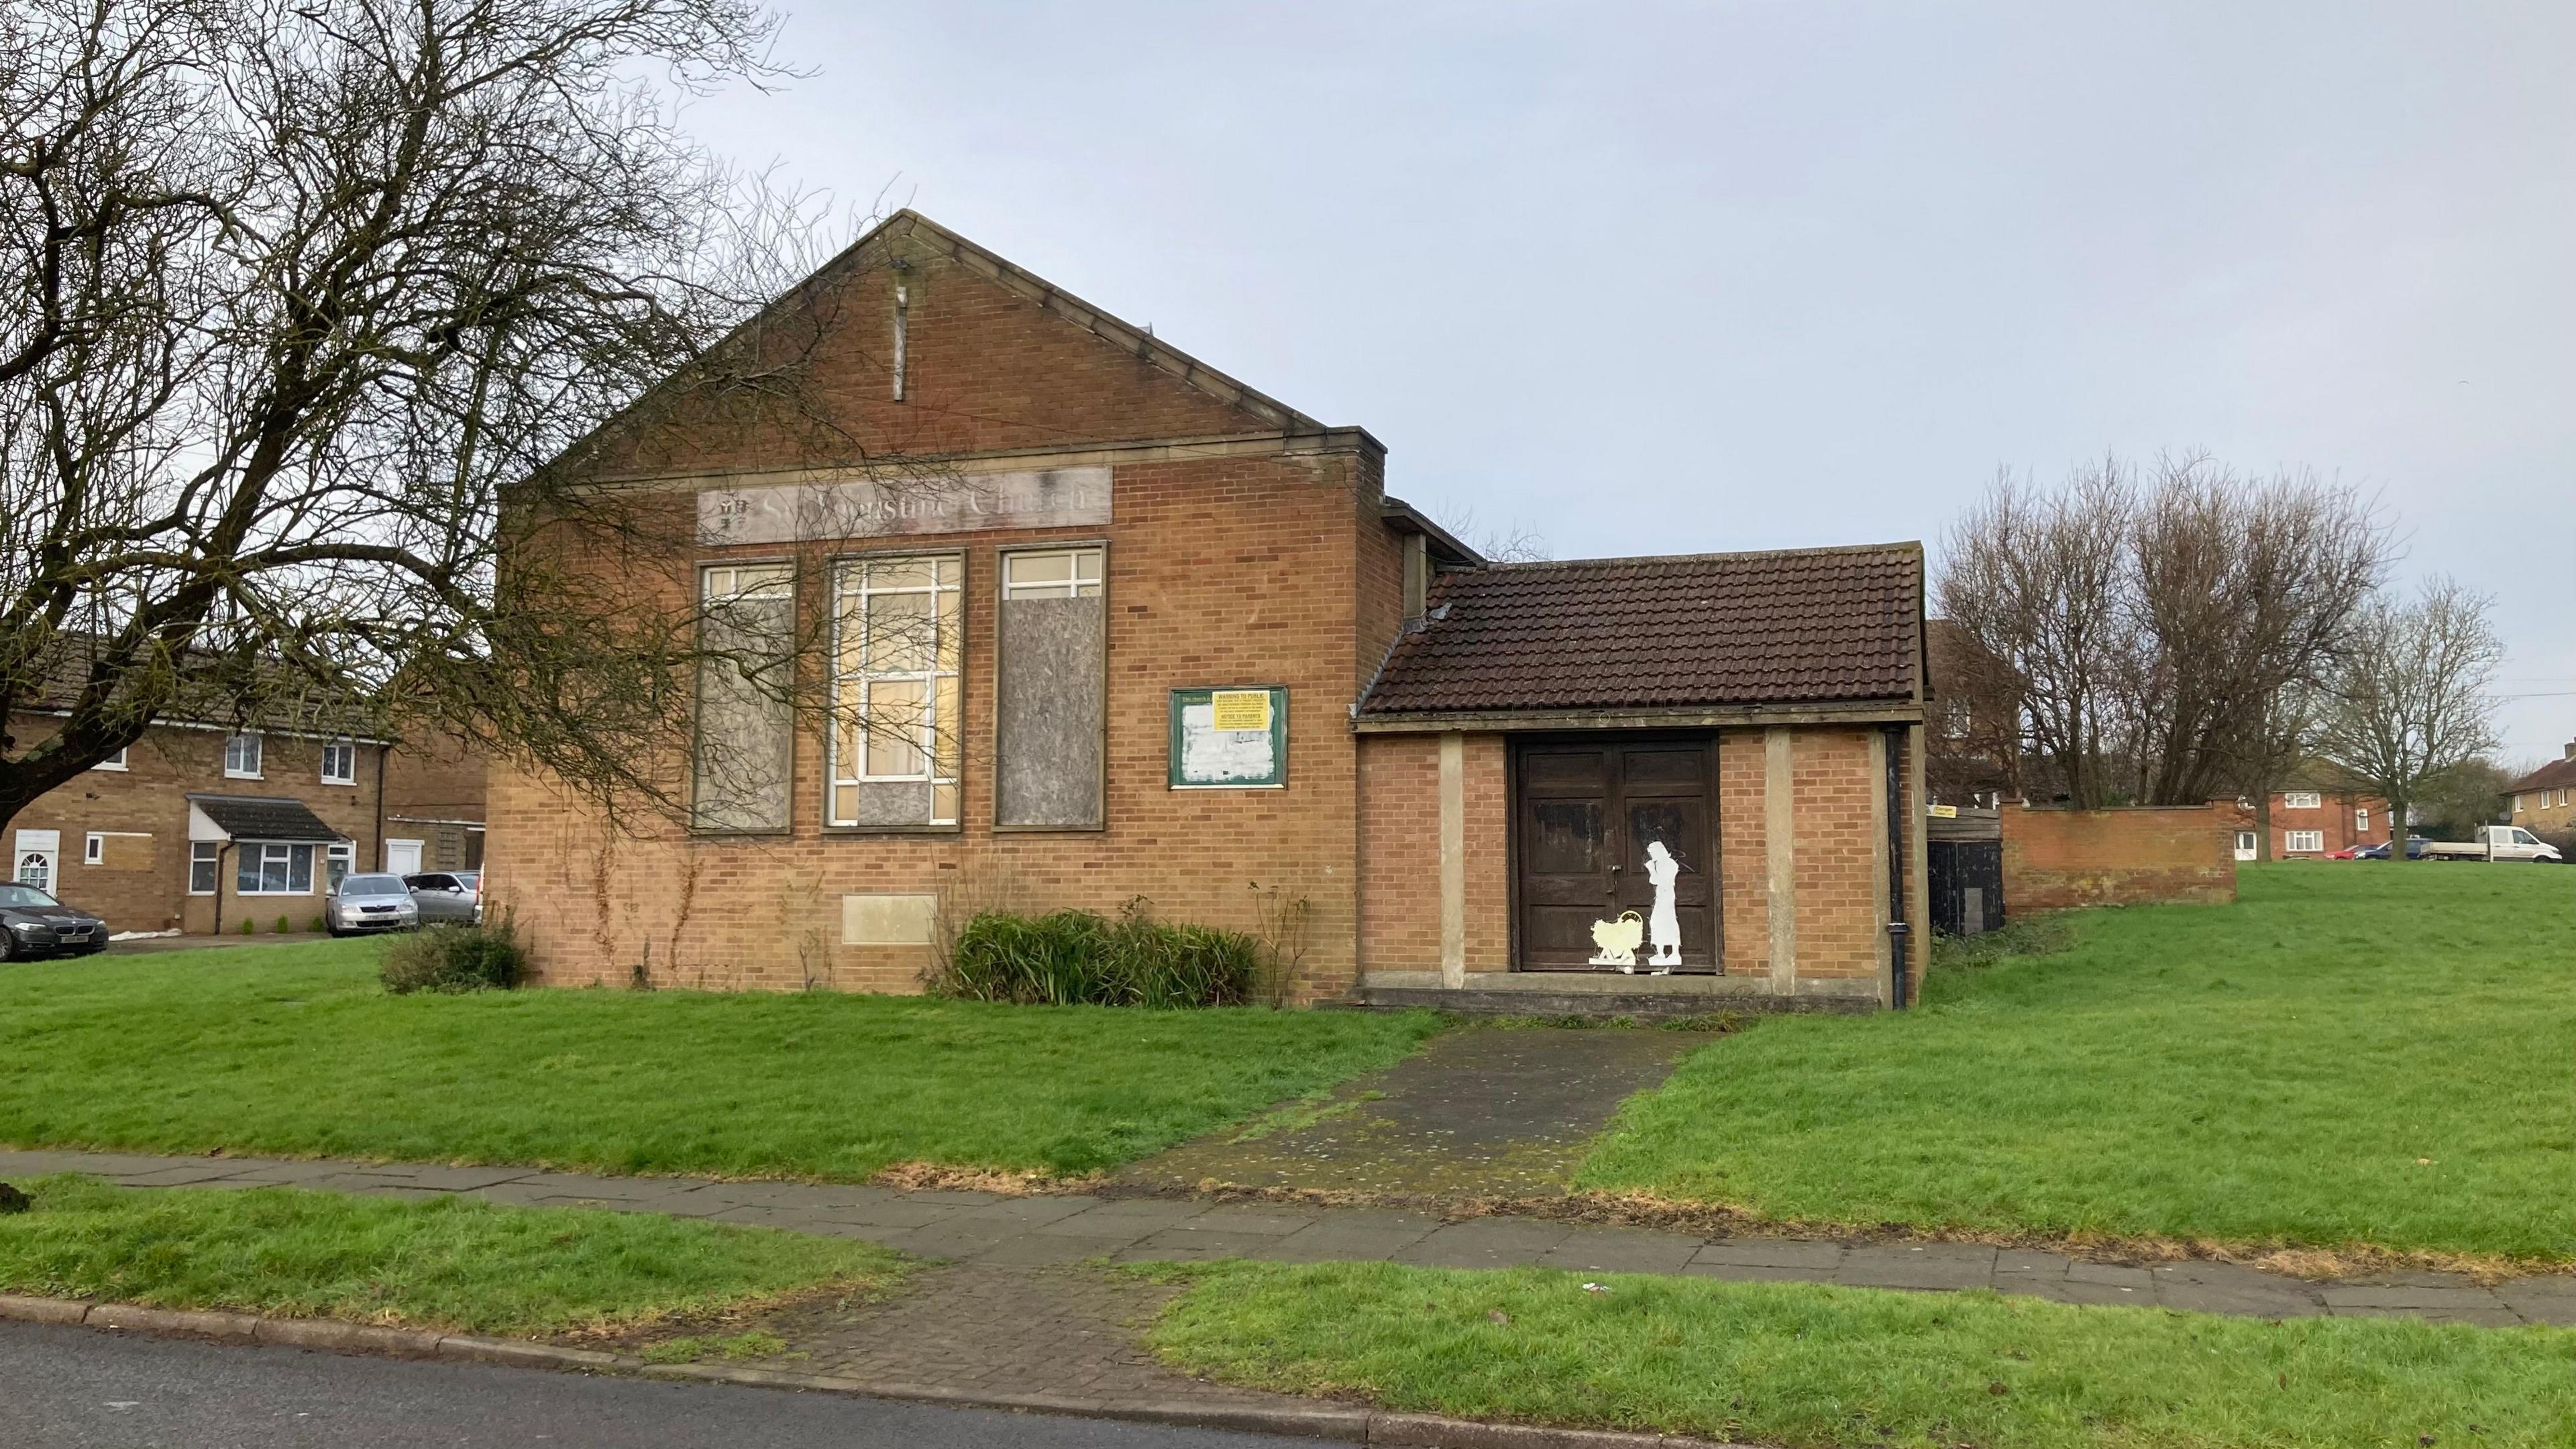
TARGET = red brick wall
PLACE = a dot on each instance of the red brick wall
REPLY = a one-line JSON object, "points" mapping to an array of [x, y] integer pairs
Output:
{"points": [[1399, 810], [1840, 870], [2059, 859], [1744, 853], [1222, 570], [143, 884]]}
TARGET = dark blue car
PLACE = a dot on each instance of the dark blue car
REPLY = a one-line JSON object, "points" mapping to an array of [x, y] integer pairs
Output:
{"points": [[2414, 850]]}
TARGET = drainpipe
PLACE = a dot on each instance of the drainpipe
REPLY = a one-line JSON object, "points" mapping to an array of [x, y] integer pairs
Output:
{"points": [[381, 752], [219, 885], [1898, 931]]}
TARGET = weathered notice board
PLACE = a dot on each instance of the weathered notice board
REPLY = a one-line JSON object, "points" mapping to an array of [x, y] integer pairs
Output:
{"points": [[1230, 737]]}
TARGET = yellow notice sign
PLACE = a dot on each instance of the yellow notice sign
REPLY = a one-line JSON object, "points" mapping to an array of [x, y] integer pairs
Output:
{"points": [[1239, 709], [1944, 812]]}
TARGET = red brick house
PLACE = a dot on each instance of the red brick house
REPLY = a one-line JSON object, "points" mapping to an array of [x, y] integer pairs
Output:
{"points": [[2316, 819], [1156, 634]]}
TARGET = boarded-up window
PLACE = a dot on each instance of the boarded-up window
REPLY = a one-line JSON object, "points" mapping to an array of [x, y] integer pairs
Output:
{"points": [[1054, 650], [897, 649], [746, 718]]}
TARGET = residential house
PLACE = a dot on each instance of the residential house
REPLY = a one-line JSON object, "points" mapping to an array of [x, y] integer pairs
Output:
{"points": [[1972, 740], [1148, 632], [2544, 801], [199, 827], [2312, 817]]}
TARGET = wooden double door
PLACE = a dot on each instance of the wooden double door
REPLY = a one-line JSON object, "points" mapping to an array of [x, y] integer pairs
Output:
{"points": [[1584, 811]]}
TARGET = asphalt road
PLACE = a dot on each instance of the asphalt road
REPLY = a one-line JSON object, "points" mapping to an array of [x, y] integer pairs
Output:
{"points": [[79, 1388]]}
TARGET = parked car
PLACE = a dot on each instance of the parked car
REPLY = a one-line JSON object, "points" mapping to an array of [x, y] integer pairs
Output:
{"points": [[33, 924], [371, 902], [2495, 842], [447, 897], [2414, 850]]}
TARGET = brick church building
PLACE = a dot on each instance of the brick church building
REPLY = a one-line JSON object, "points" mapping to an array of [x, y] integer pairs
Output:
{"points": [[1105, 623]]}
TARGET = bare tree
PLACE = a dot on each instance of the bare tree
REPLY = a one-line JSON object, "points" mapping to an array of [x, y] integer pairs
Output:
{"points": [[2411, 701], [2153, 638], [306, 298]]}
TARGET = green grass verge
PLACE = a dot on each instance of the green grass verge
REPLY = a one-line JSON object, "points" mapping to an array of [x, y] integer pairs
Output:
{"points": [[1813, 1366], [2352, 1054], [445, 1263], [296, 1050]]}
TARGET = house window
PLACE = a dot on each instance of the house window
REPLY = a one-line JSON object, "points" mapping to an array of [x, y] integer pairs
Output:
{"points": [[897, 646], [94, 848], [340, 762], [2305, 842], [241, 757], [1050, 717], [2361, 817], [202, 855], [2302, 800], [746, 707], [113, 762], [272, 869], [336, 865]]}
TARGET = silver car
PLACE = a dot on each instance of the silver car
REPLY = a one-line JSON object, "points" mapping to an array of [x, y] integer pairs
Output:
{"points": [[447, 897], [370, 902]]}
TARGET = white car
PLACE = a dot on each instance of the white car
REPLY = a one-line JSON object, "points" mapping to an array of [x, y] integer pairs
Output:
{"points": [[371, 902]]}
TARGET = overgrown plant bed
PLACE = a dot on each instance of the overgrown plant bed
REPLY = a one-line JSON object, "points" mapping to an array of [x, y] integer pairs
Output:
{"points": [[2357, 1058], [1820, 1367], [443, 1263], [299, 1052]]}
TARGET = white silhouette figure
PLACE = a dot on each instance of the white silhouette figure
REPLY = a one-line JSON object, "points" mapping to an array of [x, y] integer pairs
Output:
{"points": [[1664, 925]]}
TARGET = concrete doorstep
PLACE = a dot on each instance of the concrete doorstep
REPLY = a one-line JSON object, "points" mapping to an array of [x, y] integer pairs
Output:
{"points": [[1341, 1423]]}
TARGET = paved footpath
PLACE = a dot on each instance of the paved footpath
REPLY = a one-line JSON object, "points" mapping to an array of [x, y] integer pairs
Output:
{"points": [[984, 1230]]}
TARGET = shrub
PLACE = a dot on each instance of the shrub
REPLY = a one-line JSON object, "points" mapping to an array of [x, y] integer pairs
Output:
{"points": [[249, 926], [454, 959], [317, 925], [282, 926], [1078, 958]]}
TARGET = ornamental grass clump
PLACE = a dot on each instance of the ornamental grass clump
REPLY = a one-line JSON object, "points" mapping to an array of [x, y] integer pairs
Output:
{"points": [[453, 959], [1070, 958]]}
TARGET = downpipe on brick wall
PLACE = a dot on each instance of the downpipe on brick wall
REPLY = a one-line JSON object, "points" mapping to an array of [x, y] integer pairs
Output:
{"points": [[1898, 930]]}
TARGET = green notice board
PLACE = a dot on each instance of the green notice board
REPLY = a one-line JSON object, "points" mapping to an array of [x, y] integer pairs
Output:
{"points": [[1230, 737]]}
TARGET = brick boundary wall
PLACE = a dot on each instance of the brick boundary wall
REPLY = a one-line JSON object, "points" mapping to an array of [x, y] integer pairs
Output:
{"points": [[2057, 859]]}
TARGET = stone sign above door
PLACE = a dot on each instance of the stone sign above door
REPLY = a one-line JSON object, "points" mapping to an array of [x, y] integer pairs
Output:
{"points": [[893, 507]]}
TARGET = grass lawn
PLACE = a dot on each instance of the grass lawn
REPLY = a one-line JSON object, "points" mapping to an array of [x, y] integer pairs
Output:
{"points": [[1810, 1366], [296, 1050], [449, 1263], [2352, 1054]]}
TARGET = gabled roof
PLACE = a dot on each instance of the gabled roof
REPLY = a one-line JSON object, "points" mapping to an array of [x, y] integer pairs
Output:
{"points": [[1793, 626], [2556, 775], [264, 817]]}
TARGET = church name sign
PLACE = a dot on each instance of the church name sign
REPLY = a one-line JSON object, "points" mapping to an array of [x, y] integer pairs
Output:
{"points": [[893, 507]]}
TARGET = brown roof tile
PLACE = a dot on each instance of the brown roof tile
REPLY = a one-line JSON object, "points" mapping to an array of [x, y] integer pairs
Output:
{"points": [[1786, 627], [2557, 774]]}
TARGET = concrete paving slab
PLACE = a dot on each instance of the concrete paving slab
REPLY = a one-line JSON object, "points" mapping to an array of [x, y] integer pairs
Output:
{"points": [[453, 1179], [180, 1175], [1139, 1215], [2058, 1289], [2342, 1296], [1918, 1265], [1180, 1245], [2113, 1274], [1027, 1212], [2232, 1288], [1621, 1250], [2549, 1300], [1242, 1218], [1487, 1243], [1756, 1273], [1046, 1250], [1333, 1243], [2489, 1315], [1771, 1253], [2031, 1262], [950, 1240]]}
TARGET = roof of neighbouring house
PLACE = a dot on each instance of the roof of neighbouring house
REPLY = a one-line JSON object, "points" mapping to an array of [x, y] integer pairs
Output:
{"points": [[1790, 626], [264, 817], [2557, 774]]}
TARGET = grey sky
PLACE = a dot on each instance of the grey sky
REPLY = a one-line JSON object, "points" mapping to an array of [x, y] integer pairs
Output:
{"points": [[1672, 278]]}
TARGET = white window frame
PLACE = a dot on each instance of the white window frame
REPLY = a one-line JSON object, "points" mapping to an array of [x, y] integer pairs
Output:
{"points": [[113, 762], [939, 741], [2303, 842], [250, 854], [247, 744], [2361, 817], [210, 854], [347, 751], [2302, 800], [94, 848], [1081, 580], [337, 861]]}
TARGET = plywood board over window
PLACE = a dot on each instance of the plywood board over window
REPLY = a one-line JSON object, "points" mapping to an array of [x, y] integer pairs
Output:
{"points": [[746, 718], [1052, 678]]}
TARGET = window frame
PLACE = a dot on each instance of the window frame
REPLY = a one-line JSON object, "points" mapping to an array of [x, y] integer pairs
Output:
{"points": [[212, 860], [258, 755], [2302, 800], [244, 861], [1001, 594], [2290, 842], [94, 848], [847, 603], [115, 761], [791, 576], [339, 861], [2361, 817], [348, 747]]}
